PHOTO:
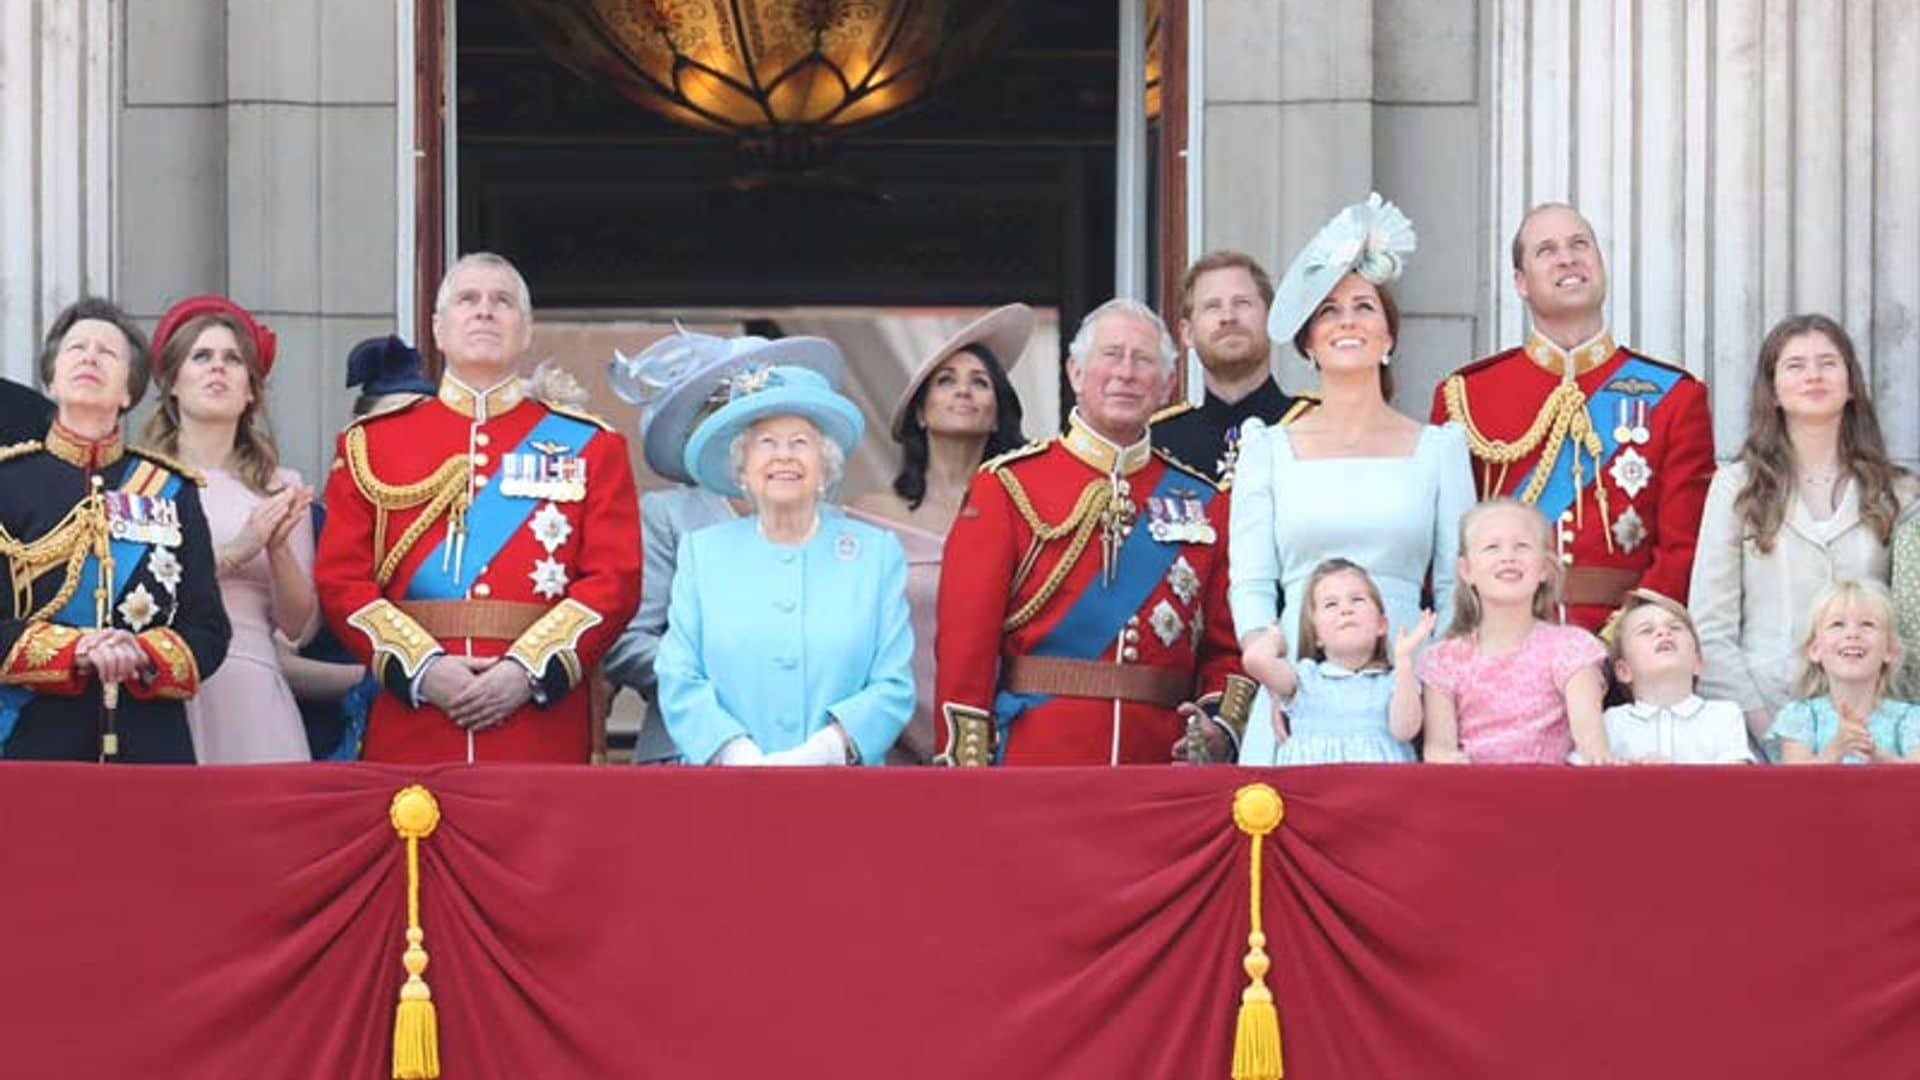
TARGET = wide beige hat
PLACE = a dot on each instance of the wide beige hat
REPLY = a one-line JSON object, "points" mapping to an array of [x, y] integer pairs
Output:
{"points": [[1003, 332]]}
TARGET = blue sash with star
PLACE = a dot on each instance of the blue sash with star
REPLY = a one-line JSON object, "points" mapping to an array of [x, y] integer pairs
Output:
{"points": [[1648, 382], [1097, 616], [492, 518], [79, 611]]}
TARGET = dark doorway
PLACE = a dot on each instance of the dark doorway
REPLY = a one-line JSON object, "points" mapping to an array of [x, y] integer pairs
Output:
{"points": [[999, 188]]}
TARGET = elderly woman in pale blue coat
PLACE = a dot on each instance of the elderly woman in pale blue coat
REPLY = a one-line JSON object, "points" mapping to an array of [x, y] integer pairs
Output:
{"points": [[788, 639]]}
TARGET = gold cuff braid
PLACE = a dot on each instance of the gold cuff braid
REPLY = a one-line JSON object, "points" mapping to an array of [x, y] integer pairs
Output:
{"points": [[395, 636], [970, 736], [557, 633]]}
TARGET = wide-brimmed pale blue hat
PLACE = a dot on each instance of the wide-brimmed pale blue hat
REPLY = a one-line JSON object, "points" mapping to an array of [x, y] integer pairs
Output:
{"points": [[761, 392], [680, 379], [1371, 239]]}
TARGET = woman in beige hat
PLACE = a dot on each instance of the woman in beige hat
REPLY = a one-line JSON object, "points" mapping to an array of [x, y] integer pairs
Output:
{"points": [[956, 411]]}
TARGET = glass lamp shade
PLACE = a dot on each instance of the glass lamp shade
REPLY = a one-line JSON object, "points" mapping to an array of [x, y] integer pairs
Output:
{"points": [[766, 68]]}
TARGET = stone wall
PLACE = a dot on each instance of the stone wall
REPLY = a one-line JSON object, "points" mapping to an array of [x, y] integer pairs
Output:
{"points": [[1310, 106], [257, 158]]}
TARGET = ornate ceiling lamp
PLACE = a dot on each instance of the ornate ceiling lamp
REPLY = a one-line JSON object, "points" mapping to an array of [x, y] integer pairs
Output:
{"points": [[781, 76]]}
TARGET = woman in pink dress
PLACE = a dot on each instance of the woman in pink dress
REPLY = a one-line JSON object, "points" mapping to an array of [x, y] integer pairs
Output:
{"points": [[957, 410], [211, 359]]}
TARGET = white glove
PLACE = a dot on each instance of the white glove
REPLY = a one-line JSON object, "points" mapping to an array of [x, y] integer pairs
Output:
{"points": [[824, 747], [741, 750]]}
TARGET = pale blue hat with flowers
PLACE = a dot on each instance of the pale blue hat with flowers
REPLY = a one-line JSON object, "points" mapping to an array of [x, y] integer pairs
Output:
{"points": [[1371, 239], [758, 393], [684, 377]]}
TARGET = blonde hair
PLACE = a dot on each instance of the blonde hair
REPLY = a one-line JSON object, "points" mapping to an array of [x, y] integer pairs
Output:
{"points": [[1646, 598], [1812, 680], [255, 460], [1467, 612], [1310, 645]]}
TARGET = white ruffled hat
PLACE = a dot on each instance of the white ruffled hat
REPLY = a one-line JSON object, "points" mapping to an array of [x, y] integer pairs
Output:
{"points": [[1371, 239]]}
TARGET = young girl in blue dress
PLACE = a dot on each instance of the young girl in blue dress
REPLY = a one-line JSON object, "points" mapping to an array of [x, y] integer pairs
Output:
{"points": [[1843, 712], [1344, 701]]}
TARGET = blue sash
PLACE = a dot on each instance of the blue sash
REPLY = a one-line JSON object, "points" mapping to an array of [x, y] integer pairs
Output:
{"points": [[1559, 492], [1099, 614], [492, 519], [79, 610]]}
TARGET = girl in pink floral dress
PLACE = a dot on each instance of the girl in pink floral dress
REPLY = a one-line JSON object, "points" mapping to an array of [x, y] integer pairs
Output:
{"points": [[1509, 684]]}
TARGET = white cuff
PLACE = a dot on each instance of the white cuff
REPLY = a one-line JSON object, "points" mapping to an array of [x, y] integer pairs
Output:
{"points": [[740, 750]]}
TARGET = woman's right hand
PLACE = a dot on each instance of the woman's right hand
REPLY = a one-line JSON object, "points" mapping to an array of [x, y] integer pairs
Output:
{"points": [[254, 536]]}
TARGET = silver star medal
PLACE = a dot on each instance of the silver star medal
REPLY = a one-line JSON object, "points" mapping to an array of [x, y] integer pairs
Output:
{"points": [[1630, 471], [1166, 623], [1183, 581], [1628, 530], [137, 608], [549, 578], [550, 527]]}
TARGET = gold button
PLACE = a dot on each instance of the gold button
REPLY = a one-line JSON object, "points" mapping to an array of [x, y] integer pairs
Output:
{"points": [[1566, 515], [1129, 653], [483, 590], [1567, 557], [1132, 635], [481, 439], [480, 480], [479, 459]]}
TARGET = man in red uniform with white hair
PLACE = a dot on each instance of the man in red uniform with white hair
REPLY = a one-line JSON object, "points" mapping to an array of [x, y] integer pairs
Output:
{"points": [[482, 547], [1615, 448], [1083, 597]]}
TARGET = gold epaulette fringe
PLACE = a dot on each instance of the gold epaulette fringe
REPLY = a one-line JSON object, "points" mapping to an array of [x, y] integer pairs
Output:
{"points": [[19, 449]]}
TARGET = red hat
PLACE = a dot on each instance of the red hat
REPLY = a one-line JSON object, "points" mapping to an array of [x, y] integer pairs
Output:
{"points": [[265, 344]]}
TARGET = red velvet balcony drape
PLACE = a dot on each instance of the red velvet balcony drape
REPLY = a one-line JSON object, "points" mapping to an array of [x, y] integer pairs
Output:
{"points": [[1470, 923]]}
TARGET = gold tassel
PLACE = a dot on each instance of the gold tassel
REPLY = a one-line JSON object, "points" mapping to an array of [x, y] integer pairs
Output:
{"points": [[1257, 810], [416, 1031]]}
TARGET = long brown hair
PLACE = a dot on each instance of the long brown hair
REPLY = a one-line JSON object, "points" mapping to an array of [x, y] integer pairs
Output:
{"points": [[254, 456], [1467, 612], [1310, 645], [1768, 453]]}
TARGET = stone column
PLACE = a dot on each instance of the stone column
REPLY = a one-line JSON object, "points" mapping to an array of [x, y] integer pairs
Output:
{"points": [[258, 161], [1308, 107], [57, 65], [1741, 161]]}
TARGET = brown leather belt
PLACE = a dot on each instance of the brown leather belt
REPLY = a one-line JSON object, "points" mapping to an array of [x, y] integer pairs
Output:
{"points": [[493, 620], [1165, 687], [1599, 586]]}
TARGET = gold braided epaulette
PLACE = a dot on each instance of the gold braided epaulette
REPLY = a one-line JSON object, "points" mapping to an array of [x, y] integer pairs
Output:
{"points": [[19, 449], [388, 410], [1181, 466], [578, 414], [1171, 411], [1000, 461], [186, 472]]}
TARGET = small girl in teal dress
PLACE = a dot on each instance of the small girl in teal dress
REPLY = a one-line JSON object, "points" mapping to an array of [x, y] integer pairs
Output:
{"points": [[1343, 701], [1842, 713]]}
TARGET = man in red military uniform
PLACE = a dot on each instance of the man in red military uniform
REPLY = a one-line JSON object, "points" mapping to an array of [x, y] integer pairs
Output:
{"points": [[1615, 448], [482, 548], [1083, 605]]}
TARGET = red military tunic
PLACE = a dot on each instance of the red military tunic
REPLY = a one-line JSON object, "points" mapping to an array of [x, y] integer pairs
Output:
{"points": [[1021, 573], [1633, 515], [546, 579]]}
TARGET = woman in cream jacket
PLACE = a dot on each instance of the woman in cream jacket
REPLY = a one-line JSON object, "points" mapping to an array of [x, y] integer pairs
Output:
{"points": [[1812, 499]]}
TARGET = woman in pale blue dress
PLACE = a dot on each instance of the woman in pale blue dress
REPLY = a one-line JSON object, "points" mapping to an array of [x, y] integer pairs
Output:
{"points": [[1352, 478]]}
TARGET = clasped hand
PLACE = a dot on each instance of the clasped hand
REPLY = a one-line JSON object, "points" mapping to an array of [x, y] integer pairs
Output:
{"points": [[476, 692], [112, 654]]}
